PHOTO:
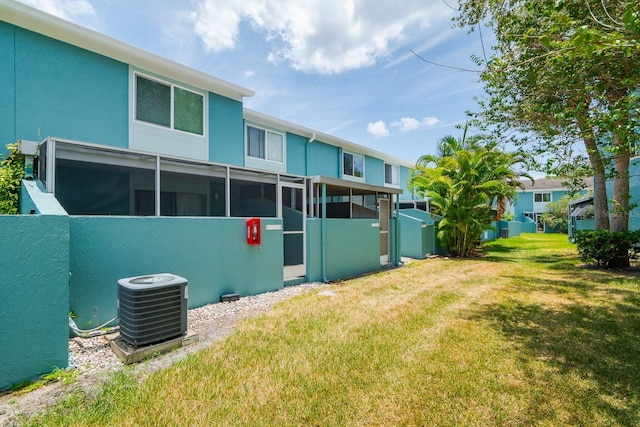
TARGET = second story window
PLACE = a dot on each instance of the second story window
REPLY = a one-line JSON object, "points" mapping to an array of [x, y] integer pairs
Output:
{"points": [[542, 197], [353, 165], [391, 174], [170, 106], [264, 144]]}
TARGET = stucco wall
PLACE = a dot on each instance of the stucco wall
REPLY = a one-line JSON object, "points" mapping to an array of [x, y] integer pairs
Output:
{"points": [[63, 91], [404, 178], [324, 159], [353, 247], [211, 253], [34, 296], [297, 154], [634, 190], [374, 170], [414, 237]]}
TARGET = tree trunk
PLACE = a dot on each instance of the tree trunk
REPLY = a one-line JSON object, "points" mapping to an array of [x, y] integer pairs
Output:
{"points": [[619, 262], [600, 200], [621, 196]]}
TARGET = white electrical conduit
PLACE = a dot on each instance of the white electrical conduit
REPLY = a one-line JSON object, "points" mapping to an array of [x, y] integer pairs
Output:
{"points": [[88, 333]]}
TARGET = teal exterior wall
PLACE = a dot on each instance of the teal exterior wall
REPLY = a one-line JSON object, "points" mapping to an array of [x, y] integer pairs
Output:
{"points": [[7, 87], [529, 227], [352, 247], [33, 198], [323, 159], [314, 249], [404, 179], [419, 234], [414, 237], [488, 235], [211, 253], [63, 91], [296, 154], [515, 227], [523, 202], [634, 190], [373, 171], [226, 130], [419, 214], [585, 224], [34, 297]]}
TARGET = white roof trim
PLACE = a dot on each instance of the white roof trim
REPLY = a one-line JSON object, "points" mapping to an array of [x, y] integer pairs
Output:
{"points": [[315, 135], [42, 23]]}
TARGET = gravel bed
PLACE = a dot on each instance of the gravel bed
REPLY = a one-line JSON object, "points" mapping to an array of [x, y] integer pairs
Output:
{"points": [[94, 360]]}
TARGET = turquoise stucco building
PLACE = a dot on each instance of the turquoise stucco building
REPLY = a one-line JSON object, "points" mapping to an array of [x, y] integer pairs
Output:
{"points": [[531, 202], [145, 166]]}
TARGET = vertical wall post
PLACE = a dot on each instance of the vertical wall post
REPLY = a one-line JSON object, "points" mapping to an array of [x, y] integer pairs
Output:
{"points": [[323, 239], [157, 185]]}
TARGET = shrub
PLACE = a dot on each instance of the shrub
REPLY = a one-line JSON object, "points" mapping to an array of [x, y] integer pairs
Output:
{"points": [[608, 249], [11, 174]]}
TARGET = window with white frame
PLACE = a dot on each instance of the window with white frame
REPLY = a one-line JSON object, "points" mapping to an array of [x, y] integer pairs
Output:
{"points": [[391, 174], [542, 197], [353, 165], [167, 105], [265, 144]]}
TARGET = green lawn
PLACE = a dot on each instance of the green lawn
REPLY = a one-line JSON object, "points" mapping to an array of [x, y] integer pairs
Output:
{"points": [[524, 336]]}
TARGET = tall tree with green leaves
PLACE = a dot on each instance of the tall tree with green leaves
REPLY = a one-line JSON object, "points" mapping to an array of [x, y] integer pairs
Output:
{"points": [[565, 71], [556, 215], [463, 180]]}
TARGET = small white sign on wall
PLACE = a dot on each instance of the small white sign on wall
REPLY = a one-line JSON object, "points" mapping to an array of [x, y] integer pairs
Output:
{"points": [[273, 226]]}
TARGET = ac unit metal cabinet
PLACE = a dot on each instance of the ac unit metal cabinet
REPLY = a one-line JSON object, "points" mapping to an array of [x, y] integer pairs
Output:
{"points": [[152, 308]]}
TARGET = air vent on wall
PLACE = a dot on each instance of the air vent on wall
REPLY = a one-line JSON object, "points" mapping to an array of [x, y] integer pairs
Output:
{"points": [[152, 308]]}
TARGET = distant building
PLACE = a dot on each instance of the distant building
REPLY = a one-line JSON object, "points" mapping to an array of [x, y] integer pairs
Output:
{"points": [[531, 201]]}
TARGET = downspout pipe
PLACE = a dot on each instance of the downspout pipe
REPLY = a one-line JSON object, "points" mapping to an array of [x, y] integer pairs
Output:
{"points": [[306, 152]]}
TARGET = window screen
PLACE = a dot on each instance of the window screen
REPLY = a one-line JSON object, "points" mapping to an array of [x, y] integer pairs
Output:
{"points": [[274, 148], [255, 142], [391, 174], [188, 111], [153, 102], [353, 165]]}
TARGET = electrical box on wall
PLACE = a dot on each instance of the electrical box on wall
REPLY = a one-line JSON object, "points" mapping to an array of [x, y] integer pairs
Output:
{"points": [[253, 231]]}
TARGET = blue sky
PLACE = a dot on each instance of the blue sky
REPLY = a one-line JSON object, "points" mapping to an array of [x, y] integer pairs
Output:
{"points": [[342, 67]]}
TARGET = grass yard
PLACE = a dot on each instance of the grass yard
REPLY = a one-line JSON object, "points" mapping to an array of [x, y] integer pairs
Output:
{"points": [[524, 336]]}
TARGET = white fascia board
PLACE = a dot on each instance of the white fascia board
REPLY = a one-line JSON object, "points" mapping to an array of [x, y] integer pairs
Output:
{"points": [[39, 22], [351, 147]]}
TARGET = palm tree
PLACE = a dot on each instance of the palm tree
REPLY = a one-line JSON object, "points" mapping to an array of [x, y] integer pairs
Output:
{"points": [[463, 180]]}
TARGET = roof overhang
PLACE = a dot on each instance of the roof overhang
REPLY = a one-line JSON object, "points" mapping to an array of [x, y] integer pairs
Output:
{"points": [[280, 124], [42, 23], [318, 179]]}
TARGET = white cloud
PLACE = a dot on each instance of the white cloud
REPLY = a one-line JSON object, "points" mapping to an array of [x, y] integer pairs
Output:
{"points": [[217, 23], [407, 124], [378, 129], [322, 36], [249, 73], [65, 9]]}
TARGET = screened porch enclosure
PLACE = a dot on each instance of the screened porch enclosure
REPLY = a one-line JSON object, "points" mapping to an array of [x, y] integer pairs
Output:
{"points": [[334, 199], [92, 180]]}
